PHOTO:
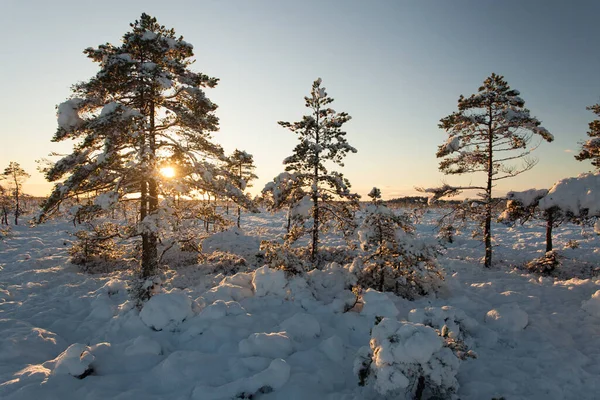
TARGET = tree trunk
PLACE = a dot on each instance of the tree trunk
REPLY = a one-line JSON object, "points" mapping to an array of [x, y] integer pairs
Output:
{"points": [[315, 196], [549, 223], [487, 229], [17, 204]]}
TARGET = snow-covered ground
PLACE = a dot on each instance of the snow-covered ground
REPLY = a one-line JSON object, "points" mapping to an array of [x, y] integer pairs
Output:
{"points": [[262, 335]]}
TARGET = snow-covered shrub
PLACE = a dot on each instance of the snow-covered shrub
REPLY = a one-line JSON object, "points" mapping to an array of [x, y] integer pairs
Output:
{"points": [[446, 233], [546, 264], [451, 324], [572, 244], [74, 361], [225, 263], [407, 361], [395, 260], [283, 257], [141, 290], [96, 250]]}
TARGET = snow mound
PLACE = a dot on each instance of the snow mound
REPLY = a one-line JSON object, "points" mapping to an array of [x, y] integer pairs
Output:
{"points": [[272, 378], [402, 352], [75, 361], [232, 241], [143, 345], [269, 281], [166, 309], [301, 326], [592, 306], [114, 286], [220, 309], [272, 345], [507, 317], [243, 279], [333, 348], [457, 323], [378, 304], [228, 292]]}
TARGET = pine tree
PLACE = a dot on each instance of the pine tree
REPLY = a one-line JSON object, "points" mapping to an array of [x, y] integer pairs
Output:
{"points": [[15, 175], [491, 131], [241, 164], [322, 140], [143, 108], [395, 260], [590, 150]]}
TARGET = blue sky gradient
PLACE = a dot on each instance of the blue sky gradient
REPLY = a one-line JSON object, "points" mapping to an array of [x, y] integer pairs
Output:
{"points": [[396, 67]]}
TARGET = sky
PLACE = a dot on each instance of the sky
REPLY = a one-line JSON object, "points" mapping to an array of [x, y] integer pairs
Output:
{"points": [[397, 67]]}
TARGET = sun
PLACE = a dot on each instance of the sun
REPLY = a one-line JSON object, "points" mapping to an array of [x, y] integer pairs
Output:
{"points": [[167, 172]]}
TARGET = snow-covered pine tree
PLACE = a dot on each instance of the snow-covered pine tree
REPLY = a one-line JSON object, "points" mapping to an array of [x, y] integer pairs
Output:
{"points": [[590, 149], [395, 260], [490, 132], [142, 107], [4, 205], [322, 140], [16, 176], [285, 191], [241, 164]]}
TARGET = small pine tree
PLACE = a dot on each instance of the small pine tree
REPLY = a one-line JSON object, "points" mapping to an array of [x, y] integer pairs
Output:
{"points": [[241, 165], [15, 176], [322, 140], [491, 130], [395, 260], [590, 150], [4, 205]]}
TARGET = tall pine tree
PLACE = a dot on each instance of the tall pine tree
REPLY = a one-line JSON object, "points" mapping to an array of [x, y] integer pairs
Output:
{"points": [[322, 141], [143, 108], [491, 131], [590, 149]]}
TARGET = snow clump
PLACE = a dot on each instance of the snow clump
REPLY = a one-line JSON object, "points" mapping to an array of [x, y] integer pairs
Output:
{"points": [[166, 309], [403, 356]]}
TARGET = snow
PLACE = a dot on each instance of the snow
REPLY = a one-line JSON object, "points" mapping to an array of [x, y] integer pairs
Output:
{"points": [[301, 326], [271, 345], [166, 309], [401, 352], [234, 241], [575, 195], [452, 145], [272, 378], [507, 317], [68, 116], [527, 198], [268, 281], [592, 306], [378, 304], [267, 335], [143, 345], [75, 360]]}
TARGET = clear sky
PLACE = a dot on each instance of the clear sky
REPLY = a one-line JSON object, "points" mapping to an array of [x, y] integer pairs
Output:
{"points": [[396, 67]]}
